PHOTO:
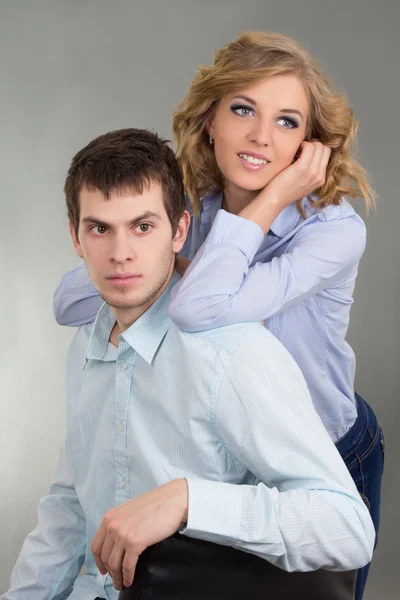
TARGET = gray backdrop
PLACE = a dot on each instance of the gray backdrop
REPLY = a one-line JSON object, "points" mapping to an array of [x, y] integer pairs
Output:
{"points": [[71, 70]]}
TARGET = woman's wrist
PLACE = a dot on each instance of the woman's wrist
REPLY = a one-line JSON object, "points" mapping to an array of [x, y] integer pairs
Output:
{"points": [[262, 211]]}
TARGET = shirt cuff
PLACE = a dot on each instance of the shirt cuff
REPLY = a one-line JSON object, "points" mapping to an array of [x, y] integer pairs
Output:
{"points": [[237, 231], [214, 511]]}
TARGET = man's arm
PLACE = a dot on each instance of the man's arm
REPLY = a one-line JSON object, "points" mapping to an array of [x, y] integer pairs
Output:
{"points": [[304, 511], [53, 554]]}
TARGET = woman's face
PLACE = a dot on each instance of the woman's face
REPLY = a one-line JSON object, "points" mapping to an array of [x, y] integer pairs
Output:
{"points": [[258, 130]]}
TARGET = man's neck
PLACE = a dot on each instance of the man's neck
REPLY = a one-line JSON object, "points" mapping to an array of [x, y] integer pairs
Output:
{"points": [[125, 317], [235, 198]]}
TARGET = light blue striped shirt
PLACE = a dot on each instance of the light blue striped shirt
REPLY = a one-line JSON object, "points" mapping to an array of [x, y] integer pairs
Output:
{"points": [[299, 279], [229, 410]]}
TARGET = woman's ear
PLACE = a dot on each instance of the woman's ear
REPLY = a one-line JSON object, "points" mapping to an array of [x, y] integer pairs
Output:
{"points": [[210, 126]]}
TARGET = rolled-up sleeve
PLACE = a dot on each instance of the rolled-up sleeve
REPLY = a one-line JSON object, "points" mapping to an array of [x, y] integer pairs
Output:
{"points": [[304, 512], [222, 286]]}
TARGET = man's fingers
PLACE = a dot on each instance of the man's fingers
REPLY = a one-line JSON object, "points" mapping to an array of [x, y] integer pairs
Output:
{"points": [[97, 546], [107, 550], [129, 567], [115, 565]]}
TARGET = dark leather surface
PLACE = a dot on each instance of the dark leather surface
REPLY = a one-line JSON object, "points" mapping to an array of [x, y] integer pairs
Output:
{"points": [[187, 569]]}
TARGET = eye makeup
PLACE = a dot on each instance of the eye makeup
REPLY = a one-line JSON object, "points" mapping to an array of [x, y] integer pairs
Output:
{"points": [[235, 108]]}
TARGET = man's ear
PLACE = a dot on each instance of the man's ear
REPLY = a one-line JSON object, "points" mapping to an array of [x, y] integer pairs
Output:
{"points": [[181, 232], [75, 240]]}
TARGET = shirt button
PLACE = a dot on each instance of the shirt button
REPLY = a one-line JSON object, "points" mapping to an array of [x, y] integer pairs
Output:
{"points": [[122, 485], [120, 427], [123, 367]]}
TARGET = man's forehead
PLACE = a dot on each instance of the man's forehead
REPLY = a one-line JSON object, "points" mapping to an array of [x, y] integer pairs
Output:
{"points": [[122, 201], [148, 188]]}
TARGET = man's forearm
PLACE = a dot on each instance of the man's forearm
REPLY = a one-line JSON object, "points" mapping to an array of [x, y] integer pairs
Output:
{"points": [[53, 554], [297, 530]]}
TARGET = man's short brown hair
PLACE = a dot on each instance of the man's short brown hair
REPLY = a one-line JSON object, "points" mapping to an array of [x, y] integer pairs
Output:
{"points": [[127, 159]]}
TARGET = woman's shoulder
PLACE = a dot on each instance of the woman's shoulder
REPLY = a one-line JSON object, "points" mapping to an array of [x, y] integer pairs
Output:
{"points": [[336, 230], [333, 212]]}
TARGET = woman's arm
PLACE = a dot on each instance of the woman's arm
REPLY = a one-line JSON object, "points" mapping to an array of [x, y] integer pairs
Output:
{"points": [[76, 300], [221, 288]]}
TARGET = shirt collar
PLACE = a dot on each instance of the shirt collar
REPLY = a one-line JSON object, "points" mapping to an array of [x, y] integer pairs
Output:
{"points": [[286, 221], [144, 335]]}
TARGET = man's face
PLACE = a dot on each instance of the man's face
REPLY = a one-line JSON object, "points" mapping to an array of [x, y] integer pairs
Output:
{"points": [[128, 247]]}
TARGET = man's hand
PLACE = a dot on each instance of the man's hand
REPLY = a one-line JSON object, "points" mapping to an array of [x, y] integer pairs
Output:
{"points": [[181, 264], [127, 530]]}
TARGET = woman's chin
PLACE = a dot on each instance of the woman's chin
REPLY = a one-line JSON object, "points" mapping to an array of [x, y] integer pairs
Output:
{"points": [[254, 185]]}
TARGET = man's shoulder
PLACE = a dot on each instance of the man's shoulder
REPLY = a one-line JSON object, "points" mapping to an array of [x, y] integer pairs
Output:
{"points": [[82, 336], [230, 339], [78, 346]]}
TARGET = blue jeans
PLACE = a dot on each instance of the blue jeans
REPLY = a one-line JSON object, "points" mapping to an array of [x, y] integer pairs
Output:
{"points": [[363, 451]]}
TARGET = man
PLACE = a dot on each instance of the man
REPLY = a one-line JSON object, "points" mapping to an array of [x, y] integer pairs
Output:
{"points": [[212, 434]]}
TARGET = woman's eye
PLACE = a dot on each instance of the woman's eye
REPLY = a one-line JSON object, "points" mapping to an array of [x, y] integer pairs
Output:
{"points": [[144, 227], [242, 111], [288, 123]]}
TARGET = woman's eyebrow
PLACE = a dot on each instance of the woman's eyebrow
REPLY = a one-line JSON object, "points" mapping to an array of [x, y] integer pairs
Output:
{"points": [[292, 110], [254, 103], [249, 100]]}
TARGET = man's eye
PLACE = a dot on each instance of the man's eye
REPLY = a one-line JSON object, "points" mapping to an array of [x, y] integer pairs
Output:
{"points": [[99, 229], [144, 227]]}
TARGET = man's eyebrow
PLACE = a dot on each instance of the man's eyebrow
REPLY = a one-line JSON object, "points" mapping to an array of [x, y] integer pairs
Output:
{"points": [[144, 216]]}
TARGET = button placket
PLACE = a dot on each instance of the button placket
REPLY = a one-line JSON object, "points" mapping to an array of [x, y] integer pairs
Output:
{"points": [[124, 372]]}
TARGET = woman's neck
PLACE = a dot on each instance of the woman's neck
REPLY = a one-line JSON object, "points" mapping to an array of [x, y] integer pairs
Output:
{"points": [[234, 199]]}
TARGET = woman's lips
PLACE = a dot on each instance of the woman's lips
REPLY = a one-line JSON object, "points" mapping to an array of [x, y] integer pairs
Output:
{"points": [[251, 166]]}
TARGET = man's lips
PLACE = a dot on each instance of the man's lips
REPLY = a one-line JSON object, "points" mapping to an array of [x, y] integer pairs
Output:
{"points": [[123, 279]]}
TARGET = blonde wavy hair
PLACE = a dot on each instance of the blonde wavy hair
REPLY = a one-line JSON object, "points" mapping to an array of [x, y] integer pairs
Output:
{"points": [[250, 58]]}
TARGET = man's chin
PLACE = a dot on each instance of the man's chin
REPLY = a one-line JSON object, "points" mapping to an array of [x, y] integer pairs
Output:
{"points": [[120, 298]]}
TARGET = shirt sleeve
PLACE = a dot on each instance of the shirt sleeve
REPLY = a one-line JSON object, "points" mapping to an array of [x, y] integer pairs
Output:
{"points": [[222, 287], [53, 554], [303, 511], [76, 301]]}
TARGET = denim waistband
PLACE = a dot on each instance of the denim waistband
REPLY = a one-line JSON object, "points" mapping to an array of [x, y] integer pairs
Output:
{"points": [[366, 419]]}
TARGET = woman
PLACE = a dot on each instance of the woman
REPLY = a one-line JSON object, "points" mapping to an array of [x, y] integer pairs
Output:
{"points": [[265, 147]]}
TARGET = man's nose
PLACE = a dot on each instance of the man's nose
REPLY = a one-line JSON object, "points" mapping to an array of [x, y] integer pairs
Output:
{"points": [[123, 248]]}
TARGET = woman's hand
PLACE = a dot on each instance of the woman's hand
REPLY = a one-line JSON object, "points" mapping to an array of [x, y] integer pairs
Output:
{"points": [[302, 177]]}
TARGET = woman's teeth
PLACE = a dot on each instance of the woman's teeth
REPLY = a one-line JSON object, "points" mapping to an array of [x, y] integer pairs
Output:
{"points": [[252, 160]]}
